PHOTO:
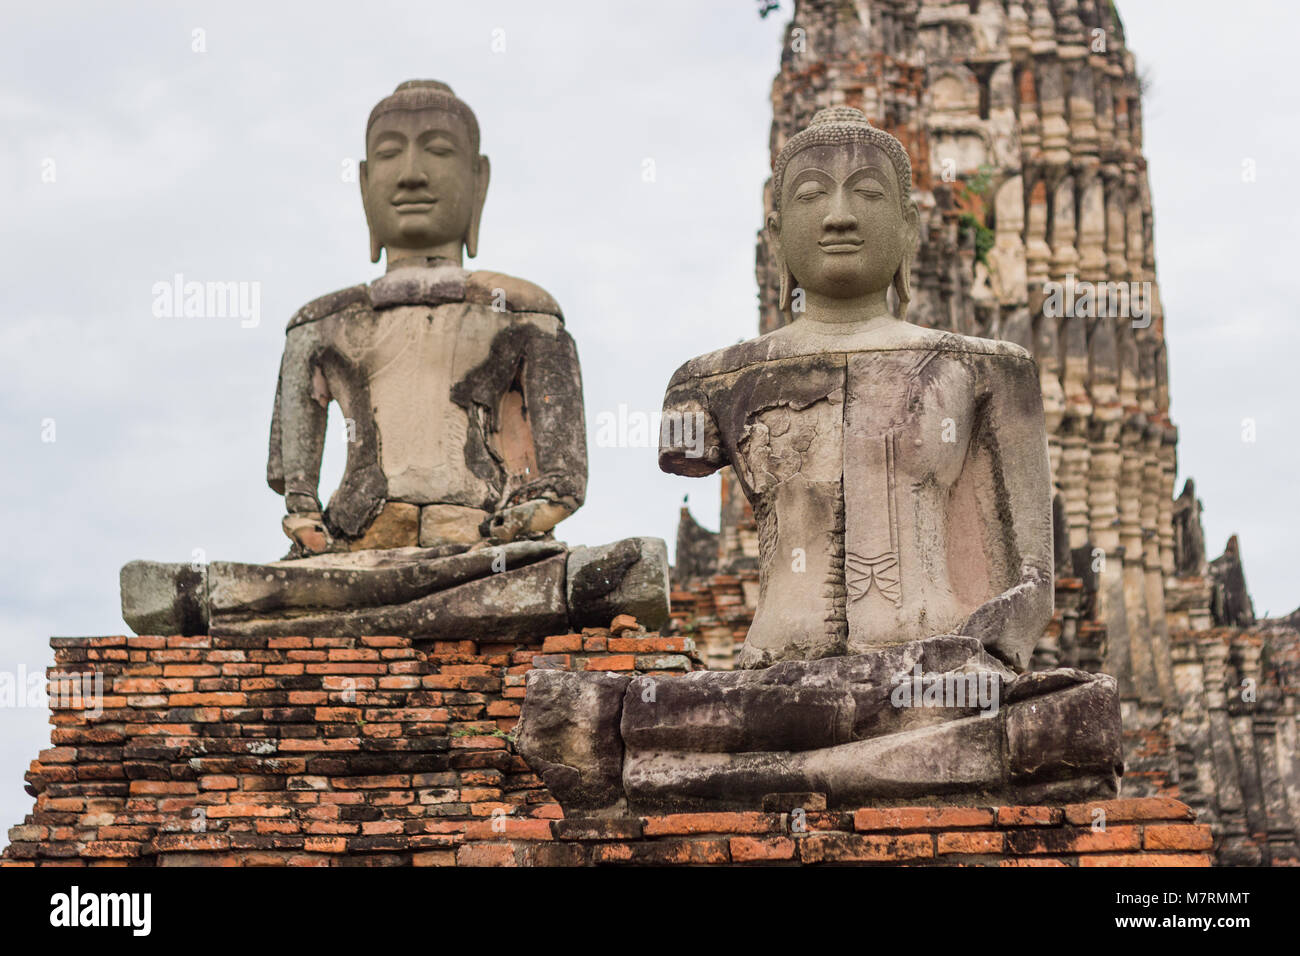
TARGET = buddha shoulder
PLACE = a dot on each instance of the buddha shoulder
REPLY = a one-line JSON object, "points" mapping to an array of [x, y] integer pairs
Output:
{"points": [[510, 293], [729, 359], [974, 345], [805, 341], [352, 298]]}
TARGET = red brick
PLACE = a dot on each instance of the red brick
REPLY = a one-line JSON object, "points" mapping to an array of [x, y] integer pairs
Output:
{"points": [[663, 852], [352, 654], [189, 670], [288, 642], [151, 685], [509, 828], [562, 644], [100, 849], [434, 858], [320, 844], [976, 842], [209, 700], [1073, 840], [192, 842], [1175, 836], [1028, 816], [1034, 861], [749, 849], [162, 786], [648, 645], [1138, 808], [486, 854], [689, 823], [921, 818], [347, 668], [384, 641], [610, 662], [860, 848], [1146, 859]]}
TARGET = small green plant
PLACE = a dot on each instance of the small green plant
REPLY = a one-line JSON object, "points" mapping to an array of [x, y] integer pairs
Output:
{"points": [[984, 236], [473, 732]]}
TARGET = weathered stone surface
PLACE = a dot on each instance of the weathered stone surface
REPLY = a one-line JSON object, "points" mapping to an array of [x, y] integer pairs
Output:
{"points": [[396, 526], [522, 590], [798, 705], [570, 736], [934, 721], [523, 604], [160, 598], [1067, 733], [697, 549], [368, 579], [1231, 604], [626, 577]]}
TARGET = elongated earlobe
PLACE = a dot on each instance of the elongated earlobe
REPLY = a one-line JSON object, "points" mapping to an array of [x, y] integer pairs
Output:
{"points": [[903, 277], [786, 294], [471, 237], [363, 174], [903, 286]]}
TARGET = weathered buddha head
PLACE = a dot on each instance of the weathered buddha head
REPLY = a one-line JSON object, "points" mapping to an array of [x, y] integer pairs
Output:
{"points": [[844, 224], [423, 181]]}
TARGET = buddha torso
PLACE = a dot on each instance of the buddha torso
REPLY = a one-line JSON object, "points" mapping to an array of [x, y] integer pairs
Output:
{"points": [[411, 357], [860, 454], [443, 377]]}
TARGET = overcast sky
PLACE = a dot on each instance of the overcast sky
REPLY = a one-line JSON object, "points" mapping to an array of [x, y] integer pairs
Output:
{"points": [[128, 157]]}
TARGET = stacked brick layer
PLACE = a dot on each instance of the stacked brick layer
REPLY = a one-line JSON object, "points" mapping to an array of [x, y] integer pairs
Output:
{"points": [[1148, 832], [291, 749], [376, 751]]}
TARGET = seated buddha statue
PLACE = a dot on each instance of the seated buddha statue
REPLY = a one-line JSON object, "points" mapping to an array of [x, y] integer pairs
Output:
{"points": [[898, 475], [461, 389], [462, 397], [899, 479]]}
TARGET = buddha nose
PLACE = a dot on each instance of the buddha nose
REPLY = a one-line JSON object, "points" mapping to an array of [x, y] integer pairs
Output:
{"points": [[412, 176], [840, 217]]}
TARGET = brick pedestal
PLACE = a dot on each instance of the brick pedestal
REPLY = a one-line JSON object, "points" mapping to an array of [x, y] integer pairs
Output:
{"points": [[384, 751]]}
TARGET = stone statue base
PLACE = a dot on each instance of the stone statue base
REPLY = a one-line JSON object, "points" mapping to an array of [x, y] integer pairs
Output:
{"points": [[937, 721], [520, 591]]}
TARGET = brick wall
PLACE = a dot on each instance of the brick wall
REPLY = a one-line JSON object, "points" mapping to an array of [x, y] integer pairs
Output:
{"points": [[381, 751]]}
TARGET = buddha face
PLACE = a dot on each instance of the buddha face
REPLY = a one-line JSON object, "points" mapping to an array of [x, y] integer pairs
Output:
{"points": [[422, 185], [841, 227]]}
